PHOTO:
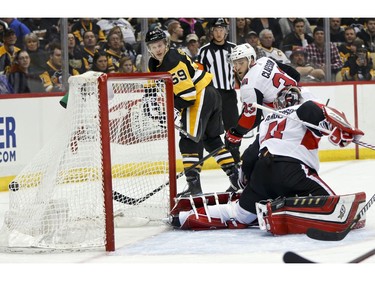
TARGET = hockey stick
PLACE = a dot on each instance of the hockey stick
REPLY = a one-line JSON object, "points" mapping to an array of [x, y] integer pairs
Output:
{"points": [[133, 201], [195, 139], [182, 131], [307, 124], [292, 257], [319, 234]]}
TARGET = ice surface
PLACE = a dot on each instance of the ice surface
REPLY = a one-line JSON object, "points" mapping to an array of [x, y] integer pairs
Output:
{"points": [[151, 251]]}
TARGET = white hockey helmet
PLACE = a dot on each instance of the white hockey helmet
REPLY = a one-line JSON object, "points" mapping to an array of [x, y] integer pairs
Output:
{"points": [[242, 51]]}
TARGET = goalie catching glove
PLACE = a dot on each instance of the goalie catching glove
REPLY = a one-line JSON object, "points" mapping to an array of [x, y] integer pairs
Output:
{"points": [[342, 133]]}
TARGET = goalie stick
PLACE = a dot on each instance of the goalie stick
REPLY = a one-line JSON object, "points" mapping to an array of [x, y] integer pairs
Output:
{"points": [[133, 201], [307, 124], [319, 234], [292, 257]]}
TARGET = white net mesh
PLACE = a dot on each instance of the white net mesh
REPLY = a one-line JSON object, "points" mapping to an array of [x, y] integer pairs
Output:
{"points": [[57, 201]]}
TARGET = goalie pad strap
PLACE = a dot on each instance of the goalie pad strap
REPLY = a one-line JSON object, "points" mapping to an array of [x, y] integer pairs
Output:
{"points": [[296, 215], [184, 203]]}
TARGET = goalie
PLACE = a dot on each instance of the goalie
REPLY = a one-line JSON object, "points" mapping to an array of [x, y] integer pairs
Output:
{"points": [[285, 192]]}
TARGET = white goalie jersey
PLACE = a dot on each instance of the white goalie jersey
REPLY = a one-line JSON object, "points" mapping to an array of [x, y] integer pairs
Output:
{"points": [[302, 143]]}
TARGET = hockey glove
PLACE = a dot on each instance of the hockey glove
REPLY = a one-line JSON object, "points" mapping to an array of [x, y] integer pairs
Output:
{"points": [[232, 139], [340, 138]]}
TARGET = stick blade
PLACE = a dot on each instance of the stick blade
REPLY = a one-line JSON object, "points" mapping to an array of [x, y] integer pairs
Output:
{"points": [[291, 257], [322, 235]]}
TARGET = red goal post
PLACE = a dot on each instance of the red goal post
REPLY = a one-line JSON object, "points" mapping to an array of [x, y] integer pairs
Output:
{"points": [[105, 135], [112, 164]]}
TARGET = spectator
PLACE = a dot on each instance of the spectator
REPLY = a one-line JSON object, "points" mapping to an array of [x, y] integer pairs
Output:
{"points": [[52, 77], [367, 34], [21, 79], [192, 46], [40, 27], [114, 52], [266, 42], [308, 72], [175, 34], [100, 62], [191, 25], [52, 36], [356, 23], [5, 86], [337, 32], [253, 39], [38, 56], [297, 38], [84, 24], [89, 49], [287, 26], [127, 66], [126, 48], [3, 26], [316, 53], [213, 58], [259, 24], [127, 30], [75, 55], [19, 28], [358, 67], [345, 49], [8, 50], [242, 29]]}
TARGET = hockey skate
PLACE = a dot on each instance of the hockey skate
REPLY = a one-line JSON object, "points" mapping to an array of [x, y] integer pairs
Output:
{"points": [[172, 220], [194, 184], [232, 173]]}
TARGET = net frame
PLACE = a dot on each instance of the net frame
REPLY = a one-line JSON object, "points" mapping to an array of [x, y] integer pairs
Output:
{"points": [[105, 134], [105, 141]]}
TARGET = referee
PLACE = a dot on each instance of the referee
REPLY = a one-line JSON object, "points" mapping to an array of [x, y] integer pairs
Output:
{"points": [[213, 58]]}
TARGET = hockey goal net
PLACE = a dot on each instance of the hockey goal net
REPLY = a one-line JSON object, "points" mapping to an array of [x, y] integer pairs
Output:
{"points": [[114, 160]]}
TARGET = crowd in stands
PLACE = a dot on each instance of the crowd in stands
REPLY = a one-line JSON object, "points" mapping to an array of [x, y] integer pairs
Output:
{"points": [[31, 51]]}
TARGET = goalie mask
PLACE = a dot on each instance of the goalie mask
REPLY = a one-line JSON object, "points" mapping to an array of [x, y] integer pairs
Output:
{"points": [[287, 97]]}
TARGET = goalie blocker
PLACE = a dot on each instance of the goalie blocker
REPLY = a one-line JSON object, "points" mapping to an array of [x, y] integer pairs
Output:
{"points": [[282, 216]]}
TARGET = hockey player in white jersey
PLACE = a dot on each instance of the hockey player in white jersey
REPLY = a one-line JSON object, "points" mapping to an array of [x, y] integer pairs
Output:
{"points": [[285, 177], [261, 80]]}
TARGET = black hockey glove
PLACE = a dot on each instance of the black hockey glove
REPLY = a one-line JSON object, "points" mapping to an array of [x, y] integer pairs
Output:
{"points": [[232, 139]]}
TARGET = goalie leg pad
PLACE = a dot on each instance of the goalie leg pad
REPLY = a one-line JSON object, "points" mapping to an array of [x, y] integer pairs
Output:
{"points": [[208, 211], [211, 217], [297, 214]]}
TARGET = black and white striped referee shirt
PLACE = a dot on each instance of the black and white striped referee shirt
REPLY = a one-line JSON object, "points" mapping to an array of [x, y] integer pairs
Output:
{"points": [[214, 60]]}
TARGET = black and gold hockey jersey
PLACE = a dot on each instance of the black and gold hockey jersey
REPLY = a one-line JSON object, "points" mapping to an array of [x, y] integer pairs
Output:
{"points": [[189, 83]]}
